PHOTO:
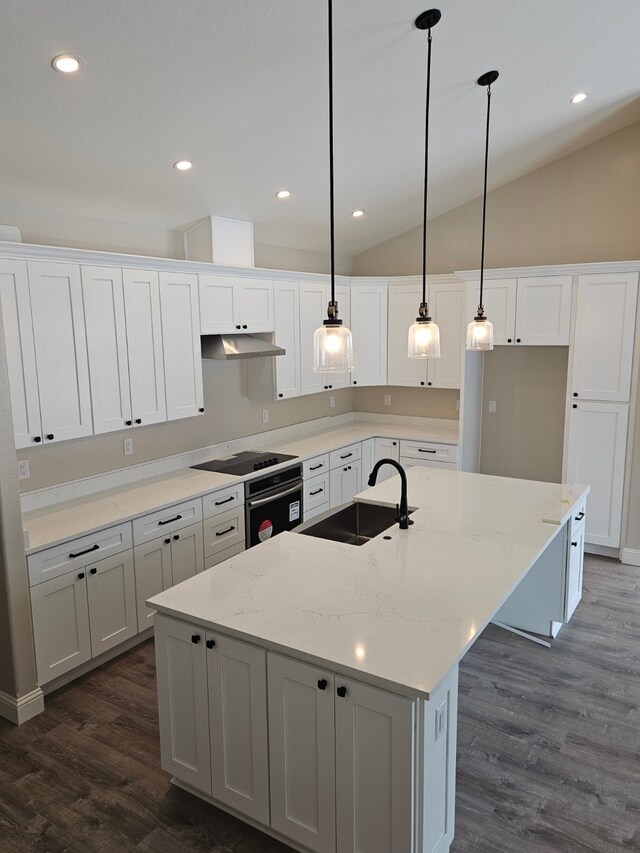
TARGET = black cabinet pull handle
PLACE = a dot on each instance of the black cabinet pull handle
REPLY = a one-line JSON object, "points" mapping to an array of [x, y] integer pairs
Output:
{"points": [[210, 644], [93, 571], [330, 386], [317, 492], [201, 411], [225, 501], [575, 544], [518, 340], [326, 387], [81, 576], [50, 436], [167, 541], [341, 691], [81, 553], [280, 395], [169, 520], [580, 516], [237, 327], [509, 340], [128, 423], [422, 383], [421, 450], [195, 639], [244, 327], [223, 532], [428, 383], [138, 420], [394, 443], [355, 382], [322, 684], [346, 455], [575, 405], [37, 438], [575, 393], [315, 467], [176, 537]]}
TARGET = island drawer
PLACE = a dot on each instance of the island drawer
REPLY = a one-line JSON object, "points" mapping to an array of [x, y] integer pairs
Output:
{"points": [[77, 553], [223, 531], [344, 455], [221, 556], [315, 466], [407, 462], [578, 517], [166, 521], [316, 492], [223, 500], [429, 450]]}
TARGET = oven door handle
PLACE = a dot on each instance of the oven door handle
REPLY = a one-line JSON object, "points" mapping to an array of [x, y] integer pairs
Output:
{"points": [[271, 498]]}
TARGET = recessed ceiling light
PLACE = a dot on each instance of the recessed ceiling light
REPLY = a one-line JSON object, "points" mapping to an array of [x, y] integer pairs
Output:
{"points": [[183, 165], [66, 63], [283, 193], [577, 99], [358, 213]]}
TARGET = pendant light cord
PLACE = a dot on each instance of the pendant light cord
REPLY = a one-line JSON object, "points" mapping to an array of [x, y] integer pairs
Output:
{"points": [[426, 175], [332, 306], [484, 196]]}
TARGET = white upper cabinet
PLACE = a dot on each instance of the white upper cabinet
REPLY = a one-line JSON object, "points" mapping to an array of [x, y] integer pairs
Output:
{"points": [[144, 346], [404, 301], [107, 345], [532, 311], [369, 328], [21, 356], [286, 297], [313, 311], [604, 335], [61, 350], [445, 304], [230, 304], [181, 345]]}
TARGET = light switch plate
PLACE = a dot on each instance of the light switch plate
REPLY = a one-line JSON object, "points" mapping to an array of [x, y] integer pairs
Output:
{"points": [[128, 446], [265, 416], [332, 401], [492, 406], [387, 399]]}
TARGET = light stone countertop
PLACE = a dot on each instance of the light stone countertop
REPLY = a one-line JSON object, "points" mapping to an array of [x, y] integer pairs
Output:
{"points": [[59, 522], [400, 611]]}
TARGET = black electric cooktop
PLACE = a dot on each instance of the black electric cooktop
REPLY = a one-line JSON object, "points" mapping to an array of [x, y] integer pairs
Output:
{"points": [[245, 463]]}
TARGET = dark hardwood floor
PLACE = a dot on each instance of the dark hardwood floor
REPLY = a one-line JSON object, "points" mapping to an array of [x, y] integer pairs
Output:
{"points": [[548, 749]]}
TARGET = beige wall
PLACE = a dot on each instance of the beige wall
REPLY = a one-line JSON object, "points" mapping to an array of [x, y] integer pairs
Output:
{"points": [[582, 208], [300, 260], [414, 402]]}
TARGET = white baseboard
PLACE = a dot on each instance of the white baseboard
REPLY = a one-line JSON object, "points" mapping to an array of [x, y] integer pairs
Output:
{"points": [[20, 709], [631, 556]]}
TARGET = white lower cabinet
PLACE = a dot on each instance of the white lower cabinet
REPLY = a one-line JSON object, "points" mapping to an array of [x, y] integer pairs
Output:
{"points": [[575, 562], [346, 482], [386, 448], [111, 594]]}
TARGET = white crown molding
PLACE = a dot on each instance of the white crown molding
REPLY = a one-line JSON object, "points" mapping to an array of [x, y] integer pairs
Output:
{"points": [[19, 710], [553, 269]]}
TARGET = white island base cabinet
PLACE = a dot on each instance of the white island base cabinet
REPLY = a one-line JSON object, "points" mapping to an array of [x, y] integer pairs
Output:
{"points": [[341, 766]]}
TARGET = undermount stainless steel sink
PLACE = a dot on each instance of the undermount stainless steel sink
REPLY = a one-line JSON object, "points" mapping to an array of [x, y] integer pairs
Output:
{"points": [[355, 524]]}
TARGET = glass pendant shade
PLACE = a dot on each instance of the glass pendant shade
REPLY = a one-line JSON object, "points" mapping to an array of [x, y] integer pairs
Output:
{"points": [[424, 340], [332, 349], [479, 335]]}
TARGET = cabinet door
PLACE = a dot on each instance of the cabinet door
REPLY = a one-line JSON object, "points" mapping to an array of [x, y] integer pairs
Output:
{"points": [[575, 565], [302, 753], [596, 449], [543, 310], [218, 305], [446, 304], [181, 345], [499, 304], [313, 311], [367, 460], [144, 345], [404, 302], [183, 702], [343, 298], [61, 350], [152, 562], [237, 681], [604, 332], [346, 482], [107, 346], [21, 354], [187, 555], [286, 296], [256, 305], [374, 770], [111, 591], [60, 625], [369, 327], [385, 448]]}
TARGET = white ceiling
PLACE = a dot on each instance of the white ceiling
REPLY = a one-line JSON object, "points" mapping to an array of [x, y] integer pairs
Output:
{"points": [[239, 87]]}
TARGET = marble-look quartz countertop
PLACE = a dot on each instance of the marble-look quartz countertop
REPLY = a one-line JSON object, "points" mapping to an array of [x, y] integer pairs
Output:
{"points": [[67, 520], [400, 610]]}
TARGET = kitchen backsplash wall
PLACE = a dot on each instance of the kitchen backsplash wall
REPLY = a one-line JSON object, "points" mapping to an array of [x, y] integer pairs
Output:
{"points": [[415, 402]]}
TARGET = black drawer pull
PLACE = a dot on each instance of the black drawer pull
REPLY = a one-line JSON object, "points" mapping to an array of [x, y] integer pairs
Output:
{"points": [[201, 411], [580, 516], [50, 436], [81, 553], [128, 423], [322, 684], [317, 492], [81, 576], [346, 455], [167, 541], [575, 544], [169, 520], [210, 644], [315, 467], [138, 420], [93, 571], [176, 536], [37, 438], [342, 692], [195, 638], [225, 501], [224, 532], [421, 450]]}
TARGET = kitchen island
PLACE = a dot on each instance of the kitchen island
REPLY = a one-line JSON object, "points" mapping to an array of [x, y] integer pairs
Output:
{"points": [[310, 686]]}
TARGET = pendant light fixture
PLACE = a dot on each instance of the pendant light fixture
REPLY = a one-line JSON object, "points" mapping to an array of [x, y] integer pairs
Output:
{"points": [[424, 334], [480, 330], [332, 342]]}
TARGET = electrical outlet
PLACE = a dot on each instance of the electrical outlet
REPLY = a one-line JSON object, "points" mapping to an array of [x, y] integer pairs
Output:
{"points": [[23, 470], [128, 447], [492, 406], [387, 399], [458, 404], [441, 719], [332, 401], [265, 416]]}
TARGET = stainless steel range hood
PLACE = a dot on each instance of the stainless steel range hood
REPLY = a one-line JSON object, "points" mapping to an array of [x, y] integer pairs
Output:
{"points": [[227, 347]]}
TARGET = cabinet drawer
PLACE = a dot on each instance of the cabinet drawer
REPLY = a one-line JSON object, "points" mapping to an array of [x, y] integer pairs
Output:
{"points": [[223, 531], [578, 517], [316, 491], [221, 556], [429, 450], [345, 455], [314, 467], [409, 462], [166, 521], [222, 501], [77, 553]]}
